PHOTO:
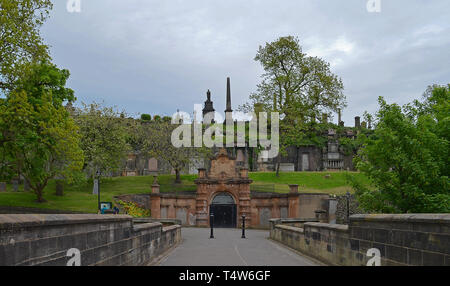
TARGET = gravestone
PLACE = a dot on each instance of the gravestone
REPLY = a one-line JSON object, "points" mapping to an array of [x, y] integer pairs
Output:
{"points": [[15, 185], [287, 167], [26, 186], [59, 188], [153, 165], [95, 188], [2, 187]]}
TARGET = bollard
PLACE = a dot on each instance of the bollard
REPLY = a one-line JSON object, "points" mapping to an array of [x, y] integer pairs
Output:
{"points": [[211, 222], [243, 226]]}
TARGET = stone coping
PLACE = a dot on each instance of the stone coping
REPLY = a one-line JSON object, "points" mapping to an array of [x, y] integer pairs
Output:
{"points": [[290, 228], [336, 227], [32, 220], [142, 226], [159, 220], [226, 181], [292, 220], [175, 195], [30, 210], [257, 194], [171, 227], [427, 218]]}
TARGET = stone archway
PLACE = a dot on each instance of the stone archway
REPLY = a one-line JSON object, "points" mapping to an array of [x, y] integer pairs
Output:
{"points": [[224, 208], [223, 176]]}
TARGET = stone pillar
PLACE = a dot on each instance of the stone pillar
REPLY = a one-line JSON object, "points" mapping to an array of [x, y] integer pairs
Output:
{"points": [[155, 205], [245, 204], [332, 208], [201, 173], [357, 122], [155, 199], [293, 199], [293, 189], [201, 206], [244, 173], [155, 185]]}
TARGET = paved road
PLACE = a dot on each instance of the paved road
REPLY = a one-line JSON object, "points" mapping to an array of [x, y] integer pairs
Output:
{"points": [[228, 249]]}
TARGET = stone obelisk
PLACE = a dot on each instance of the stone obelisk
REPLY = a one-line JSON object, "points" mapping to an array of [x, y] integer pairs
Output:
{"points": [[228, 111]]}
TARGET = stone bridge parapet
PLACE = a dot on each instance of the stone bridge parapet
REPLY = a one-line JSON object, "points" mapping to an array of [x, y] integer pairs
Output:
{"points": [[401, 239], [45, 239]]}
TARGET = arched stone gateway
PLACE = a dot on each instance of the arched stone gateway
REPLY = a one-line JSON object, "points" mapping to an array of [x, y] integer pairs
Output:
{"points": [[223, 207], [224, 191]]}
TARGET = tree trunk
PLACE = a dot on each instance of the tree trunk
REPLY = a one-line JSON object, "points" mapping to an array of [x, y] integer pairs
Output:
{"points": [[278, 165], [38, 192], [177, 177]]}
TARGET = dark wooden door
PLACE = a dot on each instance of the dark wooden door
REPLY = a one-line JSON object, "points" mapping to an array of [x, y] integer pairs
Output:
{"points": [[224, 215]]}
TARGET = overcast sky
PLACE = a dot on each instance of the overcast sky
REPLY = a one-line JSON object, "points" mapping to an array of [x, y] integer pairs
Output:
{"points": [[155, 57]]}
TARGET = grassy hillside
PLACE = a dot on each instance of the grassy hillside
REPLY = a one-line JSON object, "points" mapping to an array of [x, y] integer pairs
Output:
{"points": [[80, 198]]}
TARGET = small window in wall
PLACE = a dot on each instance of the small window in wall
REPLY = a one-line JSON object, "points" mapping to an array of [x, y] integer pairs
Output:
{"points": [[223, 199]]}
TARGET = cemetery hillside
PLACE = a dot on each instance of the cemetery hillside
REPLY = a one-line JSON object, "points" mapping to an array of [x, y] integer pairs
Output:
{"points": [[79, 198]]}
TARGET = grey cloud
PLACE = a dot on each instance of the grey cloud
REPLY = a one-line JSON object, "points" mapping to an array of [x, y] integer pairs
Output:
{"points": [[160, 56]]}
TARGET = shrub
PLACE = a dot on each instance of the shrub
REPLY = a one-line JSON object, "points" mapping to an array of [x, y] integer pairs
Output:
{"points": [[134, 210]]}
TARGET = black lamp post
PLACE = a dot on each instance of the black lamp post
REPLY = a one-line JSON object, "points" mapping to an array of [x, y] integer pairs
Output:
{"points": [[98, 191], [243, 226], [211, 222]]}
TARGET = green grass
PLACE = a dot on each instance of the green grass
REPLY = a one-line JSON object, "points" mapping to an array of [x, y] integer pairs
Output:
{"points": [[80, 198], [309, 182]]}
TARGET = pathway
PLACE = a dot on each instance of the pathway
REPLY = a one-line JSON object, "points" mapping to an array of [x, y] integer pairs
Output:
{"points": [[229, 249]]}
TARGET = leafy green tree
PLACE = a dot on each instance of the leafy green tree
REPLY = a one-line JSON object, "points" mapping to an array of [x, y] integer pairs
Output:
{"points": [[146, 117], [40, 140], [158, 144], [38, 77], [104, 137], [299, 87], [20, 39], [407, 157]]}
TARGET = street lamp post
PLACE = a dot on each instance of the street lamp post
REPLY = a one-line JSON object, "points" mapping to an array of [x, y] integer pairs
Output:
{"points": [[243, 226], [211, 222]]}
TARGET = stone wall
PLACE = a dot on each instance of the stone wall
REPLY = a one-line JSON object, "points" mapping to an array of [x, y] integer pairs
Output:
{"points": [[410, 239], [25, 210], [263, 206], [44, 240]]}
